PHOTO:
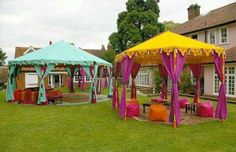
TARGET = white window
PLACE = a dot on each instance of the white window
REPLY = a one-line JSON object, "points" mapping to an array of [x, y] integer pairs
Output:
{"points": [[49, 80], [223, 35], [52, 78], [212, 37], [78, 77], [31, 80], [61, 79], [194, 36], [29, 50], [230, 75], [142, 78]]}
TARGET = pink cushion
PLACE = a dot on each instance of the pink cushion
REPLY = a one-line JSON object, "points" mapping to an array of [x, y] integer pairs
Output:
{"points": [[157, 100], [183, 102], [132, 110], [205, 109]]}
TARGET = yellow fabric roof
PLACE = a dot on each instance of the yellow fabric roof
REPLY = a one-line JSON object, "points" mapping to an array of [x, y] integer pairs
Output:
{"points": [[148, 52]]}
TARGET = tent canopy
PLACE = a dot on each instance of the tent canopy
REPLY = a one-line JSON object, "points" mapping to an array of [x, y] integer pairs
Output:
{"points": [[59, 53], [149, 51]]}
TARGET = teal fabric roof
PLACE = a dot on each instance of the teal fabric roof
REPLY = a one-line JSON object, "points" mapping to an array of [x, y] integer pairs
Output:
{"points": [[59, 53]]}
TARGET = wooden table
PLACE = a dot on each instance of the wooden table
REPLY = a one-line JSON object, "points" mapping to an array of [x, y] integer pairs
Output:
{"points": [[55, 98], [190, 107], [148, 104]]}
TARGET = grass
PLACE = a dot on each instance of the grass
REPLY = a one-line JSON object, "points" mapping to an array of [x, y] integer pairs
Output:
{"points": [[96, 127]]}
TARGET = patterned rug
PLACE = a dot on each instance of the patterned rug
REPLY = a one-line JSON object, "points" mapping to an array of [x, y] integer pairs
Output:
{"points": [[75, 97], [186, 119]]}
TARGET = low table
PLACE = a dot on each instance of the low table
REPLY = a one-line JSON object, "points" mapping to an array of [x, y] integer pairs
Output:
{"points": [[148, 104], [190, 107], [55, 98]]}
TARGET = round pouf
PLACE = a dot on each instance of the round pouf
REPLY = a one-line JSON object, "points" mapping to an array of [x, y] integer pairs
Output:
{"points": [[132, 110], [183, 102], [205, 109], [159, 100], [158, 113]]}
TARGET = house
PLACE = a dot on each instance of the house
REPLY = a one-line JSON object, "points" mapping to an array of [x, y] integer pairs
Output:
{"points": [[28, 77], [217, 27]]}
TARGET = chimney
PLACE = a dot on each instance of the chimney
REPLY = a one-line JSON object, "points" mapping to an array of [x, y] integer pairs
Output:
{"points": [[193, 11], [50, 42], [103, 48]]}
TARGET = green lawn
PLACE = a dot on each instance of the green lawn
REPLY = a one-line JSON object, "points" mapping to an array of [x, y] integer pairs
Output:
{"points": [[96, 127]]}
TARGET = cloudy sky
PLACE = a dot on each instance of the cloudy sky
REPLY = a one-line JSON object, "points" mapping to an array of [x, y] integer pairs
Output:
{"points": [[87, 23]]}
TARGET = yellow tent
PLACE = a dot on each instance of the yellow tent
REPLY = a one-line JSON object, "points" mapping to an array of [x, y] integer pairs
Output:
{"points": [[149, 51]]}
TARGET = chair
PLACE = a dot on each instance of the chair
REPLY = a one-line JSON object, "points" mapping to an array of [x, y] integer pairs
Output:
{"points": [[183, 102], [158, 112], [205, 109]]}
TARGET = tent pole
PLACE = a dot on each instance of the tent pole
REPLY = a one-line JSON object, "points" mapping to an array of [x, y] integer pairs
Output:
{"points": [[175, 63], [223, 75]]}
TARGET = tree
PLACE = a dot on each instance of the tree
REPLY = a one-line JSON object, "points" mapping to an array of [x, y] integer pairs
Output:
{"points": [[2, 57], [169, 25], [109, 55], [137, 24]]}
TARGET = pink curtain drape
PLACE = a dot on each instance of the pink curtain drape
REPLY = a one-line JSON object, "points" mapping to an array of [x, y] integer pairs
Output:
{"points": [[105, 75], [134, 73], [164, 75], [221, 108], [70, 80], [99, 82], [83, 75], [126, 67], [196, 70], [174, 74], [115, 97]]}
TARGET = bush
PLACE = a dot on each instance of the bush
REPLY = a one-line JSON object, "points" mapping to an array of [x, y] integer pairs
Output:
{"points": [[158, 80], [186, 81]]}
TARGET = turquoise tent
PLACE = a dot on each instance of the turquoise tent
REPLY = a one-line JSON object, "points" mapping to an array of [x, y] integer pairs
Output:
{"points": [[58, 54]]}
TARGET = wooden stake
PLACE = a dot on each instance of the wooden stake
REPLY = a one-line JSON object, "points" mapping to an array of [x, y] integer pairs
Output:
{"points": [[223, 74]]}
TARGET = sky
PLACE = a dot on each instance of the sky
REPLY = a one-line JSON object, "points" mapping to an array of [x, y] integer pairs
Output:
{"points": [[86, 23]]}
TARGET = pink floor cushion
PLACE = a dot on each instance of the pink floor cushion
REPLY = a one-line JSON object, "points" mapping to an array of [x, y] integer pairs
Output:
{"points": [[205, 109], [157, 100], [183, 102], [133, 110]]}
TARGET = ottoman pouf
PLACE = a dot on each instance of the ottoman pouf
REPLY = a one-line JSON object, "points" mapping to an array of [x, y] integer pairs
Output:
{"points": [[205, 109], [132, 110], [158, 113], [183, 102], [26, 96], [132, 101], [34, 97], [17, 95], [159, 100]]}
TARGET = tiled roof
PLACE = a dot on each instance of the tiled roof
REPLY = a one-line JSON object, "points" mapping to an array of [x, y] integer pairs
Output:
{"points": [[95, 52], [231, 54], [222, 15], [19, 51]]}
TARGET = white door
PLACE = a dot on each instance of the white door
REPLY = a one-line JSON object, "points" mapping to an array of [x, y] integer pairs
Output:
{"points": [[31, 80]]}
